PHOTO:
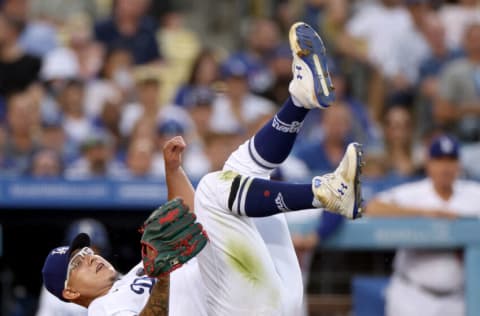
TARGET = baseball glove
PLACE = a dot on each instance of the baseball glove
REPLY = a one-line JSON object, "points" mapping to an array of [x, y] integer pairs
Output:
{"points": [[170, 238]]}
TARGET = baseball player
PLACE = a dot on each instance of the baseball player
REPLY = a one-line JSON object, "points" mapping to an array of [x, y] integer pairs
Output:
{"points": [[429, 282], [249, 266], [48, 304]]}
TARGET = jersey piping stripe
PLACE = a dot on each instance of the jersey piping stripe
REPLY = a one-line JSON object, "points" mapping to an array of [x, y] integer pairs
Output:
{"points": [[244, 196], [257, 158]]}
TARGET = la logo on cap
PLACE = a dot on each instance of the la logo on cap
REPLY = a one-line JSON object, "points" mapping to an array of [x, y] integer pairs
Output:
{"points": [[446, 145], [60, 251]]}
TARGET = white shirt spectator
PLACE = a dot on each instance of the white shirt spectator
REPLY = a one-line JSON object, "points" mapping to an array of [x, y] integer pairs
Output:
{"points": [[455, 19], [407, 58], [97, 93], [440, 271], [381, 28], [223, 119], [77, 130]]}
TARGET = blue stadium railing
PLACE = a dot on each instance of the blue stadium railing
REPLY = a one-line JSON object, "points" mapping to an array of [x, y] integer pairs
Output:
{"points": [[59, 194], [381, 234]]}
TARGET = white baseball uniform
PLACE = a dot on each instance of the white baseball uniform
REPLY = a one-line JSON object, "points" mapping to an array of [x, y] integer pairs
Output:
{"points": [[130, 293], [249, 266], [429, 281]]}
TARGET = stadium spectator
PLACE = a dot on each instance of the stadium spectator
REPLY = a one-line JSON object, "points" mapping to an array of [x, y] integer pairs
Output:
{"points": [[405, 157], [204, 73], [147, 105], [76, 124], [17, 69], [322, 155], [115, 80], [165, 130], [370, 39], [46, 164], [78, 32], [39, 35], [129, 27], [200, 108], [364, 128], [59, 66], [405, 61], [140, 159], [97, 161], [431, 281], [280, 64], [180, 46], [456, 16], [238, 108], [457, 109], [109, 117], [430, 69], [22, 127], [262, 37], [54, 138], [332, 18]]}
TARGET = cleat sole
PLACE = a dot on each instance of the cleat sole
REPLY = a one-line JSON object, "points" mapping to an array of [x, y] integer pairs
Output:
{"points": [[302, 41], [357, 211]]}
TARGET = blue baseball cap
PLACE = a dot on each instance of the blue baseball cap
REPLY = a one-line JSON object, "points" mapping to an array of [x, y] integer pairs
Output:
{"points": [[170, 127], [200, 96], [234, 67], [444, 146], [55, 268]]}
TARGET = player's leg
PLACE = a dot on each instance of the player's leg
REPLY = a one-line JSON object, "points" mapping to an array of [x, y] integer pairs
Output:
{"points": [[338, 191], [238, 271], [310, 88], [249, 265]]}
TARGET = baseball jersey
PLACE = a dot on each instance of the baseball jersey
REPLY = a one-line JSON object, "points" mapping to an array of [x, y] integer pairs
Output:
{"points": [[130, 293], [127, 297]]}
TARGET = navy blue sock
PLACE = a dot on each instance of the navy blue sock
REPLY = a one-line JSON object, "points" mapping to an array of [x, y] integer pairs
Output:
{"points": [[254, 197], [274, 141]]}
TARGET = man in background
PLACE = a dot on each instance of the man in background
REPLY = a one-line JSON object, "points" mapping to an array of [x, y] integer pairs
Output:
{"points": [[431, 281]]}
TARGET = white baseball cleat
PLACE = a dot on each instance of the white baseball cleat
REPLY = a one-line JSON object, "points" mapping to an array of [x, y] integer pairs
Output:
{"points": [[340, 191], [311, 85]]}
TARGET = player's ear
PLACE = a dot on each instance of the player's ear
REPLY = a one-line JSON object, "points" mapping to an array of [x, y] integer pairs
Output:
{"points": [[70, 294]]}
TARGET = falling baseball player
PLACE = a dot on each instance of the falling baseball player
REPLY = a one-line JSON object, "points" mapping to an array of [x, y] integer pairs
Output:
{"points": [[249, 266]]}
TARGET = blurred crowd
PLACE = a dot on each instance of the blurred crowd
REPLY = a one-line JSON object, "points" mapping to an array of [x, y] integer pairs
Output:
{"points": [[93, 88]]}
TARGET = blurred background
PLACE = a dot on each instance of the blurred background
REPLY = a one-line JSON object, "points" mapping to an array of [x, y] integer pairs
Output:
{"points": [[91, 89]]}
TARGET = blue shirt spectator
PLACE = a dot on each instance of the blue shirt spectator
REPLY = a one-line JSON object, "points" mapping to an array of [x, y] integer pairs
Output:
{"points": [[142, 43]]}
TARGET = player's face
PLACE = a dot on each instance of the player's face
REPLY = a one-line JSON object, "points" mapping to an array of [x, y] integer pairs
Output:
{"points": [[443, 171], [89, 274]]}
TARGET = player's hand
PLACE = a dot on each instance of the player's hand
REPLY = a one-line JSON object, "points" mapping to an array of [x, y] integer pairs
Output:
{"points": [[172, 153]]}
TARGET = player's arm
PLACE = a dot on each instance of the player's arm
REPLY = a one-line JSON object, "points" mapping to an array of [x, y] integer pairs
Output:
{"points": [[379, 208], [157, 304], [178, 184]]}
